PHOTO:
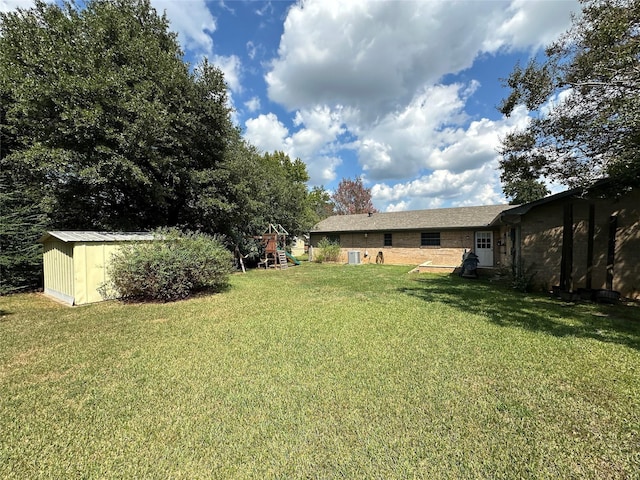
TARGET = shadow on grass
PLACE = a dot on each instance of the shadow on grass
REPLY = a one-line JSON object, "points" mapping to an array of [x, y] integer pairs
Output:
{"points": [[508, 308]]}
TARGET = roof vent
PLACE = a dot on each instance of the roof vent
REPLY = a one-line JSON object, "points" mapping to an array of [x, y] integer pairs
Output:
{"points": [[370, 214]]}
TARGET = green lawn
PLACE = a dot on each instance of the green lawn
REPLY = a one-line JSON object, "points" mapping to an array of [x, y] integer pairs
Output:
{"points": [[322, 371]]}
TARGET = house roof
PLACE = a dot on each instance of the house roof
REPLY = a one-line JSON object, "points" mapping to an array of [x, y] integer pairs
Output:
{"points": [[525, 208], [513, 213], [69, 236], [439, 218]]}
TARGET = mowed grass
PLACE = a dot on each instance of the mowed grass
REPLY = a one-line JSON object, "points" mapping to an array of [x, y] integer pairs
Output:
{"points": [[322, 371]]}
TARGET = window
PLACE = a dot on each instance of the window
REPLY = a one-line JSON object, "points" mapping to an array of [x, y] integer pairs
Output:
{"points": [[430, 239], [388, 241], [483, 239], [333, 239]]}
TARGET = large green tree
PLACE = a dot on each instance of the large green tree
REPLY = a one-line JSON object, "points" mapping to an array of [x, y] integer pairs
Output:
{"points": [[319, 204], [104, 126], [586, 96], [281, 184], [104, 112]]}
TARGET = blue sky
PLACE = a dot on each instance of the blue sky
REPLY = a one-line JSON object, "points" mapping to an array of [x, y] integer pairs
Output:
{"points": [[402, 93]]}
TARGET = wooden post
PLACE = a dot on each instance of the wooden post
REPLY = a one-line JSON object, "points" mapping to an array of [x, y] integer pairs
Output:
{"points": [[566, 263], [590, 235], [611, 250], [514, 260]]}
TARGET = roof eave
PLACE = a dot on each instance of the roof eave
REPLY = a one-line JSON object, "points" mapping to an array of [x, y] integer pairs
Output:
{"points": [[405, 229]]}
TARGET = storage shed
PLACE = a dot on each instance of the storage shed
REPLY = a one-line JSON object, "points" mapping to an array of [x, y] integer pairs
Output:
{"points": [[75, 263]]}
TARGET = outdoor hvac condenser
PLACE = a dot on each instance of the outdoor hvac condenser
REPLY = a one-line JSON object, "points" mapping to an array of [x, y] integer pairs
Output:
{"points": [[354, 257]]}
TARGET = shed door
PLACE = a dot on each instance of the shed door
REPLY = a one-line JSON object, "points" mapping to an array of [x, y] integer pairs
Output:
{"points": [[484, 248]]}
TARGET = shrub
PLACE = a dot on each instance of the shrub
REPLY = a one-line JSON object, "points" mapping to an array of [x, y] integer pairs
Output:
{"points": [[170, 268], [522, 278], [327, 251]]}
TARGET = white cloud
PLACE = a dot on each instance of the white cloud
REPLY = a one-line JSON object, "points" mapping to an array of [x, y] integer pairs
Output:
{"points": [[253, 104], [400, 144], [471, 148], [194, 24], [556, 101], [378, 68], [322, 126], [322, 169], [432, 133], [251, 50], [11, 5], [226, 7], [374, 56], [315, 141], [266, 132], [529, 24], [440, 188], [231, 68], [266, 9], [461, 164]]}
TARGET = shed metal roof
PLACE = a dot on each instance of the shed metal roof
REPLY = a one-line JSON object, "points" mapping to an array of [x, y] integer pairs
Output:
{"points": [[439, 218], [70, 236]]}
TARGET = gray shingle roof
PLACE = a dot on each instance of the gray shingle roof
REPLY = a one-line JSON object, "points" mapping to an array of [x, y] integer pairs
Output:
{"points": [[68, 236], [439, 218]]}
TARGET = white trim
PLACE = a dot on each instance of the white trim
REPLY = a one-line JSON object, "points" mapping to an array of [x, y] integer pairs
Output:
{"points": [[68, 299], [485, 255]]}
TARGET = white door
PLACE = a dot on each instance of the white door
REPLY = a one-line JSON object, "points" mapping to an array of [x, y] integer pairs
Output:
{"points": [[484, 248]]}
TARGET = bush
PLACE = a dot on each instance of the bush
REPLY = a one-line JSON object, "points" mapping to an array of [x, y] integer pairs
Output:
{"points": [[170, 268], [327, 251], [522, 279]]}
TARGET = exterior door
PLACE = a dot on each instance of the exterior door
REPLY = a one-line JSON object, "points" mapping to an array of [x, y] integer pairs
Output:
{"points": [[484, 249]]}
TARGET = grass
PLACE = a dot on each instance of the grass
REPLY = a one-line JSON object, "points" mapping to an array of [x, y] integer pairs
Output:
{"points": [[322, 371]]}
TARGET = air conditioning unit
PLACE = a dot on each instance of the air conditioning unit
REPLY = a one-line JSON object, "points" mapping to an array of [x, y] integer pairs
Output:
{"points": [[354, 257]]}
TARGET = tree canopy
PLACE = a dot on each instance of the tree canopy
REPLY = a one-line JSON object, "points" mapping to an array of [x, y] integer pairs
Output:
{"points": [[320, 204], [104, 126], [351, 197], [586, 92]]}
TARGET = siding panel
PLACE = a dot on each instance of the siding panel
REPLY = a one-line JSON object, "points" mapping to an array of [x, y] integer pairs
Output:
{"points": [[58, 271]]}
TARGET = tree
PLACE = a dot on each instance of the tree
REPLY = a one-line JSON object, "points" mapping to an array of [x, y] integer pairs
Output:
{"points": [[95, 98], [525, 191], [21, 224], [103, 124], [352, 197], [587, 95], [320, 204], [281, 184]]}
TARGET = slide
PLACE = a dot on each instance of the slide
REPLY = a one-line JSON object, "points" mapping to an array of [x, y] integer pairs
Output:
{"points": [[293, 259]]}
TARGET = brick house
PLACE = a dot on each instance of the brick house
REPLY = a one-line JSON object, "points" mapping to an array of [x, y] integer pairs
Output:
{"points": [[574, 240], [578, 239], [436, 238]]}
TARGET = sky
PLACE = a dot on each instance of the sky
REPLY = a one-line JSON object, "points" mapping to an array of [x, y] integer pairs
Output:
{"points": [[402, 93]]}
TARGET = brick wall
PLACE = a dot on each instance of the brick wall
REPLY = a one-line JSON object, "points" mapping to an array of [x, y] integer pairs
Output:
{"points": [[541, 231], [406, 248]]}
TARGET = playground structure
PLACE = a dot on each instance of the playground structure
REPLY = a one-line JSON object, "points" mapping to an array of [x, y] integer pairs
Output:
{"points": [[275, 241]]}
